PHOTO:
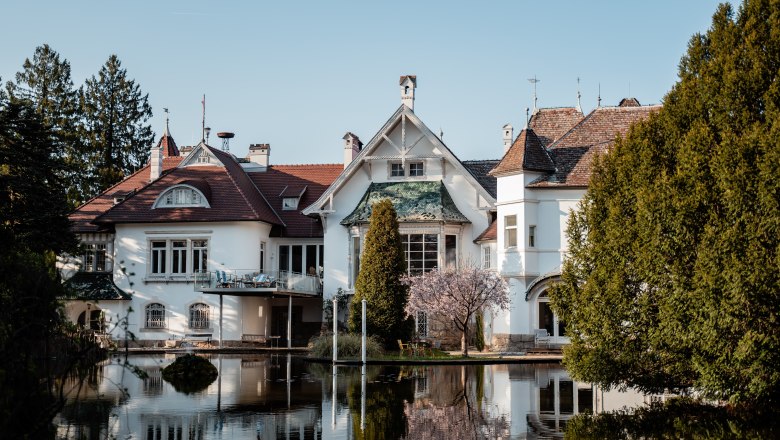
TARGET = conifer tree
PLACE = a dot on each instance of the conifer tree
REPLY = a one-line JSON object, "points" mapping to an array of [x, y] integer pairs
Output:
{"points": [[117, 131], [673, 275], [379, 280], [45, 83]]}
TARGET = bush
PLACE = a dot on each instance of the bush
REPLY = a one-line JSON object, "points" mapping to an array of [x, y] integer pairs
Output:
{"points": [[190, 373], [349, 346]]}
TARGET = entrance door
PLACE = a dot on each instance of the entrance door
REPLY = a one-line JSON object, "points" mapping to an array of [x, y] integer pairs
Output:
{"points": [[548, 320], [279, 323]]}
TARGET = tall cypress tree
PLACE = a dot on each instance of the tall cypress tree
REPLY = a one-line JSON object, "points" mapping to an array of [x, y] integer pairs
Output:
{"points": [[45, 83], [117, 131], [674, 270], [379, 280]]}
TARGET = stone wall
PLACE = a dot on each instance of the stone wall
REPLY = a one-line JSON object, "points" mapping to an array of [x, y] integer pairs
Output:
{"points": [[511, 342]]}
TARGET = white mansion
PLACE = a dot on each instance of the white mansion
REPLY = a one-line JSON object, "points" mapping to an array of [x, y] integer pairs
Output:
{"points": [[200, 242]]}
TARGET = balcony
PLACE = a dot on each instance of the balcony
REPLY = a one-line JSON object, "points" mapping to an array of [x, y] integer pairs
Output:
{"points": [[248, 282]]}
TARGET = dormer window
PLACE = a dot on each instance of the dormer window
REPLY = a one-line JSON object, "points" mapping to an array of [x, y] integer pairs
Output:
{"points": [[182, 196], [204, 157], [290, 203]]}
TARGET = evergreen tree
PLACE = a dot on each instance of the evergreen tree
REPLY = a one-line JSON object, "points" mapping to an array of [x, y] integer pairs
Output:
{"points": [[45, 83], [379, 280], [117, 132], [673, 277]]}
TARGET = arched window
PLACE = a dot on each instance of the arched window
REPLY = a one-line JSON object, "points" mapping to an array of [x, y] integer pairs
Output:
{"points": [[155, 316], [199, 316], [181, 196]]}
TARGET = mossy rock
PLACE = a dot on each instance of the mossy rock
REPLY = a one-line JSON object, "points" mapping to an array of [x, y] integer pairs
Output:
{"points": [[190, 373]]}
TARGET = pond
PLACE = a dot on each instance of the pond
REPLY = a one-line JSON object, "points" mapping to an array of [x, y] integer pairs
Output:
{"points": [[285, 396]]}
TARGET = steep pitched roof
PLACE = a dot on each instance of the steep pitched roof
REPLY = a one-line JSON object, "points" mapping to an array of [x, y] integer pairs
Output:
{"points": [[279, 181], [413, 202], [168, 145], [233, 197], [549, 124], [402, 112], [84, 214], [573, 153], [526, 153], [480, 169]]}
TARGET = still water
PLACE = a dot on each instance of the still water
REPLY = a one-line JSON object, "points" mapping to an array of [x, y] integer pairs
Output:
{"points": [[287, 397]]}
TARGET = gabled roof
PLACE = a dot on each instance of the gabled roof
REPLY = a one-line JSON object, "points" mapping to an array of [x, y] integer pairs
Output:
{"points": [[277, 180], [573, 153], [94, 286], [233, 197], [396, 118], [83, 215], [549, 124], [526, 154], [413, 202]]}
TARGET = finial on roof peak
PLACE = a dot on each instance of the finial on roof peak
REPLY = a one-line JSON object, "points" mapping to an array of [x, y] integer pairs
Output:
{"points": [[579, 95], [598, 105], [534, 81]]}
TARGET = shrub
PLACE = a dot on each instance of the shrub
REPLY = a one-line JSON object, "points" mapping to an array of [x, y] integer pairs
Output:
{"points": [[190, 373], [349, 346]]}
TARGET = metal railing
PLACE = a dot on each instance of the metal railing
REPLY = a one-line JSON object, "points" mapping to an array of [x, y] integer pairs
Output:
{"points": [[247, 279]]}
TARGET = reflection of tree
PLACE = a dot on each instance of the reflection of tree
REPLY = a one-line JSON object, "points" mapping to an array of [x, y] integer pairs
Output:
{"points": [[458, 417], [385, 405]]}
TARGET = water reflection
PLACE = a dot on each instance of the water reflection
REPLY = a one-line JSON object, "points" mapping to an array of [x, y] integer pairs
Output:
{"points": [[279, 396]]}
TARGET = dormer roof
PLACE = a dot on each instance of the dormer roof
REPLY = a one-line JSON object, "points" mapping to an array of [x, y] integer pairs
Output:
{"points": [[526, 154]]}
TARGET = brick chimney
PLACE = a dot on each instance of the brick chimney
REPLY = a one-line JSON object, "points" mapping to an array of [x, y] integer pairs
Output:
{"points": [[156, 162], [352, 147], [258, 153]]}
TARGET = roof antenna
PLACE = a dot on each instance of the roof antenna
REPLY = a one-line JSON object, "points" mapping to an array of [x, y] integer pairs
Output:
{"points": [[599, 103], [441, 134], [579, 95], [534, 81], [203, 120], [527, 117]]}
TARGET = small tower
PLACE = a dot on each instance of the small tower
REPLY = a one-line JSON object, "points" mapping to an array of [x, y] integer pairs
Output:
{"points": [[408, 84], [508, 133]]}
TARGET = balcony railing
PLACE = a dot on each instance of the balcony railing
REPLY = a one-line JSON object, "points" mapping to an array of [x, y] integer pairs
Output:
{"points": [[247, 280]]}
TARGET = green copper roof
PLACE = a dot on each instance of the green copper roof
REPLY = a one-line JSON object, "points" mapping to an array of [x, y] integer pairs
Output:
{"points": [[413, 202], [95, 286]]}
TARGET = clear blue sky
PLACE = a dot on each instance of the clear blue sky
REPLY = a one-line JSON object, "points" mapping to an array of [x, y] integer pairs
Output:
{"points": [[298, 75]]}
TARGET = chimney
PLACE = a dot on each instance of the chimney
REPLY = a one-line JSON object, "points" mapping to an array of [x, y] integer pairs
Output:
{"points": [[156, 161], [352, 147], [258, 153], [508, 133], [408, 84]]}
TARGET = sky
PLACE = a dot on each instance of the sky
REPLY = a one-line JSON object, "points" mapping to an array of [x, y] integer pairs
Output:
{"points": [[298, 75]]}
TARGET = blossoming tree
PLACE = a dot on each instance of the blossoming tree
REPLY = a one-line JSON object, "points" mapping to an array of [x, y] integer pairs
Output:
{"points": [[457, 294]]}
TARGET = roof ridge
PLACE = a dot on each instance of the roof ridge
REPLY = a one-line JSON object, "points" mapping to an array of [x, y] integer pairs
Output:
{"points": [[111, 187], [142, 188]]}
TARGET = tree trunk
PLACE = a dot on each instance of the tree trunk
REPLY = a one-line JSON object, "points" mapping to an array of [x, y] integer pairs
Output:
{"points": [[464, 340]]}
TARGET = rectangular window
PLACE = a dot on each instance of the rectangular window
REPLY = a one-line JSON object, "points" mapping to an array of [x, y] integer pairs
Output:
{"points": [[396, 170], [416, 169], [486, 263], [289, 203], [284, 258], [159, 256], [510, 231], [95, 258], [422, 324], [199, 256], [531, 236], [421, 251], [262, 257], [355, 258], [451, 250], [179, 256], [300, 259], [297, 259]]}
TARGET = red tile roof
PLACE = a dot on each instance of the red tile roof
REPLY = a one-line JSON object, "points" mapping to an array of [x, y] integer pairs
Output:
{"points": [[489, 234], [233, 197], [573, 153], [279, 181], [526, 153], [84, 214], [168, 145], [551, 123]]}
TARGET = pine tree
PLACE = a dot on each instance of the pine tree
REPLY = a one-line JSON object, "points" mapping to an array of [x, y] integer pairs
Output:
{"points": [[117, 132], [673, 277], [379, 280], [45, 83]]}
